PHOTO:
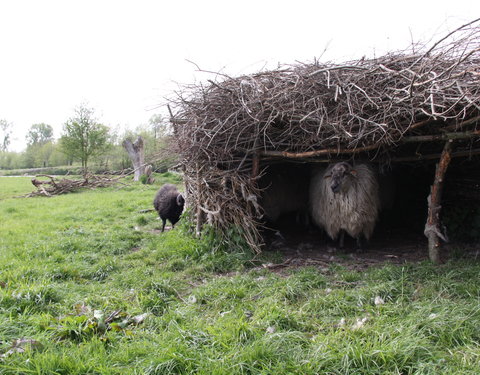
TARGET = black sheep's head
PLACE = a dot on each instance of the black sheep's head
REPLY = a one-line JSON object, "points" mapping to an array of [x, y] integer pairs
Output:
{"points": [[180, 200]]}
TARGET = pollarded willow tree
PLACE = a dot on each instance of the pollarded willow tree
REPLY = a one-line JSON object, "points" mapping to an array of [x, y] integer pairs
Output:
{"points": [[84, 137], [136, 152]]}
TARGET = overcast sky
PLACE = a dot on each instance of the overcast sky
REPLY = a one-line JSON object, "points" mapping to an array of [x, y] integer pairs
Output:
{"points": [[123, 57]]}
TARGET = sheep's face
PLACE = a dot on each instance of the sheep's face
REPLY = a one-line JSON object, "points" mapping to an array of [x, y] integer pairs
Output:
{"points": [[180, 200], [340, 176]]}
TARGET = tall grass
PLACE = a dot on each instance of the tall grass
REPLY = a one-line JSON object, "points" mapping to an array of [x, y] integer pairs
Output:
{"points": [[78, 272]]}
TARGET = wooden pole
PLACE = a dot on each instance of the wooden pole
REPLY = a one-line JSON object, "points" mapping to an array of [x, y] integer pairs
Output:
{"points": [[199, 213], [441, 137], [432, 228], [458, 154], [309, 154], [408, 139]]}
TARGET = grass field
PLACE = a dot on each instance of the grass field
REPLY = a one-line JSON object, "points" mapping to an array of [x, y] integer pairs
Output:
{"points": [[89, 286]]}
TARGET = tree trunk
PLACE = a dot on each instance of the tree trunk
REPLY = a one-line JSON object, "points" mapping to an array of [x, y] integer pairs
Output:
{"points": [[432, 228], [84, 166], [148, 172], [137, 155]]}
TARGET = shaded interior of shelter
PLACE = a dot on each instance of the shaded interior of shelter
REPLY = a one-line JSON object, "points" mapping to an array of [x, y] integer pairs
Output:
{"points": [[399, 225]]}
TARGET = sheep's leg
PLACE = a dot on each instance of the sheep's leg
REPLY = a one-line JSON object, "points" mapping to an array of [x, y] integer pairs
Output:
{"points": [[359, 244], [341, 241], [163, 226]]}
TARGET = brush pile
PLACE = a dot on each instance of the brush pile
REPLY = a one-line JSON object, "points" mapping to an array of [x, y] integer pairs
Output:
{"points": [[56, 186]]}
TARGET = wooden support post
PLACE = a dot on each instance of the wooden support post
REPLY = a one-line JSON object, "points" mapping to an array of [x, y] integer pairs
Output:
{"points": [[199, 213], [198, 228], [432, 228]]}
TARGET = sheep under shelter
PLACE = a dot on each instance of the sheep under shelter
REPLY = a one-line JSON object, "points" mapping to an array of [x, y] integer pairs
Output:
{"points": [[404, 109]]}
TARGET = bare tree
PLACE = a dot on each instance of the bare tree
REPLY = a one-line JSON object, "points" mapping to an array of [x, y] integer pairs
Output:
{"points": [[136, 152]]}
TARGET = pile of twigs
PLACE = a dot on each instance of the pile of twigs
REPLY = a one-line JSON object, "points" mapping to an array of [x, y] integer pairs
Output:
{"points": [[315, 109], [56, 186]]}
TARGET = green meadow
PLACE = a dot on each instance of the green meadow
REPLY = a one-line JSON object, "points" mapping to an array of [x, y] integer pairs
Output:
{"points": [[88, 285]]}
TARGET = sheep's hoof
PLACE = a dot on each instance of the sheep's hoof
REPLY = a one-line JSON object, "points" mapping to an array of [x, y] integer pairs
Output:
{"points": [[359, 248]]}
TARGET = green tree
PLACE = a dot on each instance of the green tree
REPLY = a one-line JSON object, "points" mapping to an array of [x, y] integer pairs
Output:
{"points": [[160, 128], [41, 154], [83, 137], [39, 146], [10, 160], [28, 157], [5, 132], [39, 134], [57, 157], [116, 158]]}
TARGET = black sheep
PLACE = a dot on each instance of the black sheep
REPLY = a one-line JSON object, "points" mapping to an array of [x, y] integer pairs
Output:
{"points": [[169, 204]]}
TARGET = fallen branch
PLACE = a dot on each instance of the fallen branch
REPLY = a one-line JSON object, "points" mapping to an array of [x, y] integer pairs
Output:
{"points": [[57, 186]]}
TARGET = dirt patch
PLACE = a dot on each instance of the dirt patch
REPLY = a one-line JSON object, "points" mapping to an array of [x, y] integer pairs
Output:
{"points": [[168, 228], [312, 248]]}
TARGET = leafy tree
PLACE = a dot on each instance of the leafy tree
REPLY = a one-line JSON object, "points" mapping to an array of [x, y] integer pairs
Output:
{"points": [[160, 128], [38, 155], [57, 157], [83, 137], [39, 134], [39, 146], [10, 160], [5, 132], [116, 158], [28, 157]]}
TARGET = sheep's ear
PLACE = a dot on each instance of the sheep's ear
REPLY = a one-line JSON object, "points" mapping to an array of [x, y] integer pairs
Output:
{"points": [[327, 176]]}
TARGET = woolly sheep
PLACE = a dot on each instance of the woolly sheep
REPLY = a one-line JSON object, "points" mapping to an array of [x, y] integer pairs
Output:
{"points": [[169, 204], [345, 199]]}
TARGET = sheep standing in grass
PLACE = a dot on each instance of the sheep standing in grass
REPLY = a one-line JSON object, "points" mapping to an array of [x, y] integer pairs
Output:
{"points": [[169, 204], [345, 199]]}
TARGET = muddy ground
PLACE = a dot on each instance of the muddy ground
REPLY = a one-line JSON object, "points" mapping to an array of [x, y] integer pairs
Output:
{"points": [[301, 247]]}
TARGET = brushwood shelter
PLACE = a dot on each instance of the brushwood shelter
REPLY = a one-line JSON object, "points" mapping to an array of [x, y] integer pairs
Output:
{"points": [[415, 112]]}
